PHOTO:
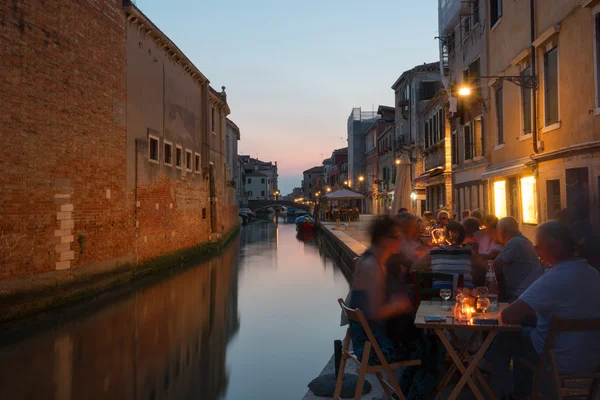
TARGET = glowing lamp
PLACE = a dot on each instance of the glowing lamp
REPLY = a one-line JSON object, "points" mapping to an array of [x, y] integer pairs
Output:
{"points": [[464, 91]]}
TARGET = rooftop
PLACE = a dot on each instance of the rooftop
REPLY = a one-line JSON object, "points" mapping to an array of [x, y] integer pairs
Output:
{"points": [[313, 170], [425, 67]]}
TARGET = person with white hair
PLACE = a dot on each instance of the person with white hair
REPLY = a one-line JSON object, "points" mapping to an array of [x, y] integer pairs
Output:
{"points": [[517, 265]]}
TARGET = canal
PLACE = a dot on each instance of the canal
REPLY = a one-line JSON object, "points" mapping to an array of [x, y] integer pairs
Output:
{"points": [[256, 322]]}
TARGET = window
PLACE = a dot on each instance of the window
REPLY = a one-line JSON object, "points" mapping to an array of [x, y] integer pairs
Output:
{"points": [[551, 86], [597, 24], [454, 149], [468, 142], [528, 200], [553, 198], [197, 162], [213, 121], [500, 199], [500, 115], [495, 11], [470, 76], [427, 90], [178, 156], [310, 185], [188, 160], [526, 102], [427, 134], [475, 11], [478, 137], [204, 209], [153, 148], [466, 24], [309, 176], [168, 150], [262, 193], [262, 180], [451, 42], [250, 193], [249, 181]]}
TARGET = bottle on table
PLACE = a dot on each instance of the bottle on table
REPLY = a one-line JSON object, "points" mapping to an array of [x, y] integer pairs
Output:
{"points": [[492, 284]]}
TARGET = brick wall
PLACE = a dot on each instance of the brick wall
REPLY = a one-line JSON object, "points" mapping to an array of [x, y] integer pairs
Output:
{"points": [[62, 77], [76, 180]]}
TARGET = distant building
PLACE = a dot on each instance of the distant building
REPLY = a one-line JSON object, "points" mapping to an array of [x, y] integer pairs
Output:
{"points": [[314, 181], [358, 122], [370, 183], [387, 170], [413, 90], [242, 194], [266, 168], [337, 174], [257, 186], [232, 136]]}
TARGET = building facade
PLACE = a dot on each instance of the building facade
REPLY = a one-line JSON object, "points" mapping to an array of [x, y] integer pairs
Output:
{"points": [[337, 175], [258, 186], [313, 182], [358, 122], [437, 174], [126, 173], [387, 170], [463, 51], [546, 141], [413, 90], [369, 185], [267, 168]]}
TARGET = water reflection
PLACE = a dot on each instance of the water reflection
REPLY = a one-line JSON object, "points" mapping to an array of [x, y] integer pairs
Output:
{"points": [[180, 337]]}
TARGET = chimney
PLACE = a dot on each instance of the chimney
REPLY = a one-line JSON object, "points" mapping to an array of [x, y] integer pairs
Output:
{"points": [[223, 94]]}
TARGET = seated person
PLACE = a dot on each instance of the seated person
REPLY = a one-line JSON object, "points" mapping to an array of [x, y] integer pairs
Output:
{"points": [[453, 259], [568, 290], [489, 248], [517, 265], [369, 292]]}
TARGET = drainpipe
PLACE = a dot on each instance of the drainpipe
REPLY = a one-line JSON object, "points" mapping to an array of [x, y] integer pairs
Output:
{"points": [[534, 73]]}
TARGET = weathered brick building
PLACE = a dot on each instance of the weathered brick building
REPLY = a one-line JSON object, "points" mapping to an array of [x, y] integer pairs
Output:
{"points": [[93, 95]]}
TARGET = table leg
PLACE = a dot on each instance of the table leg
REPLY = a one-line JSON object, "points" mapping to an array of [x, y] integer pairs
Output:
{"points": [[466, 375], [465, 354], [467, 378], [461, 350]]}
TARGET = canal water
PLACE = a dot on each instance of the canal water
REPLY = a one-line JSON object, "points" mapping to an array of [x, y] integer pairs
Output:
{"points": [[257, 322]]}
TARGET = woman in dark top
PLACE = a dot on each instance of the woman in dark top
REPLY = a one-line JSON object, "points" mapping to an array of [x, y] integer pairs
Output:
{"points": [[387, 313]]}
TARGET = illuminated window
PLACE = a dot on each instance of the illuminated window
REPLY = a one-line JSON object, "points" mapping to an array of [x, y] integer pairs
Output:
{"points": [[528, 200], [500, 199]]}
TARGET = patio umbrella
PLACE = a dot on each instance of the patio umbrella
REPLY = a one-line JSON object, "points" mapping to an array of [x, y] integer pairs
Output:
{"points": [[403, 186], [344, 194]]}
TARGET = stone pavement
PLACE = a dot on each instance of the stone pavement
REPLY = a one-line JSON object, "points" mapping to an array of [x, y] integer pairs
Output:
{"points": [[353, 234]]}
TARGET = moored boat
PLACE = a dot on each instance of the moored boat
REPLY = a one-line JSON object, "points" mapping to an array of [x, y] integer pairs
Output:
{"points": [[305, 223]]}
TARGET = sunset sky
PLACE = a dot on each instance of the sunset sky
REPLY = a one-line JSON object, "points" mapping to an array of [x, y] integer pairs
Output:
{"points": [[294, 70]]}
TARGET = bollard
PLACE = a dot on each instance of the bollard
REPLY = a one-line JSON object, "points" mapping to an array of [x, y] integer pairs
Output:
{"points": [[337, 350]]}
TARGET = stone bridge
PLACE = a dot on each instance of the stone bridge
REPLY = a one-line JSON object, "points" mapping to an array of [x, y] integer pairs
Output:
{"points": [[258, 204]]}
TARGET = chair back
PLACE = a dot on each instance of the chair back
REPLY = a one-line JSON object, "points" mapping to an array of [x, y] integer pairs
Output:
{"points": [[548, 357], [357, 315], [423, 282]]}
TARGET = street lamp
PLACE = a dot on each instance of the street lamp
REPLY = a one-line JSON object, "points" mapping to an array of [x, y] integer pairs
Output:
{"points": [[346, 183], [328, 189], [464, 91], [413, 196], [361, 178], [398, 162]]}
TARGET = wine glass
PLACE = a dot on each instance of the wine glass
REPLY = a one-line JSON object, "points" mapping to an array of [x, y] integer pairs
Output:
{"points": [[445, 294], [483, 303], [483, 291]]}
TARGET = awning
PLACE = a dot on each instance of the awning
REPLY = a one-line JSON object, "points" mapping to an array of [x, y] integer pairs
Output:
{"points": [[505, 170], [424, 177]]}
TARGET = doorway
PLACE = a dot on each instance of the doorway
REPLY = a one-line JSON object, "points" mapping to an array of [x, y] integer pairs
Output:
{"points": [[213, 199], [578, 193]]}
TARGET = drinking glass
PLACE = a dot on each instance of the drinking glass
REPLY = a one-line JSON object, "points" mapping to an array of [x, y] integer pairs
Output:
{"points": [[493, 300], [445, 294], [483, 303], [483, 291]]}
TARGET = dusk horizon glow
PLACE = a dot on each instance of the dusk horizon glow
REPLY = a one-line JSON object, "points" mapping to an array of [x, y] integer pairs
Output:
{"points": [[293, 73]]}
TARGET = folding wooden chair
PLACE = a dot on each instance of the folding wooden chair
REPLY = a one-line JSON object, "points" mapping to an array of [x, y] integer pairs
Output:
{"points": [[371, 345], [548, 357], [423, 282]]}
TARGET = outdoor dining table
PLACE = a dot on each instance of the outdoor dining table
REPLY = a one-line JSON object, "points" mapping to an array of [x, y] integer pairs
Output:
{"points": [[459, 352]]}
